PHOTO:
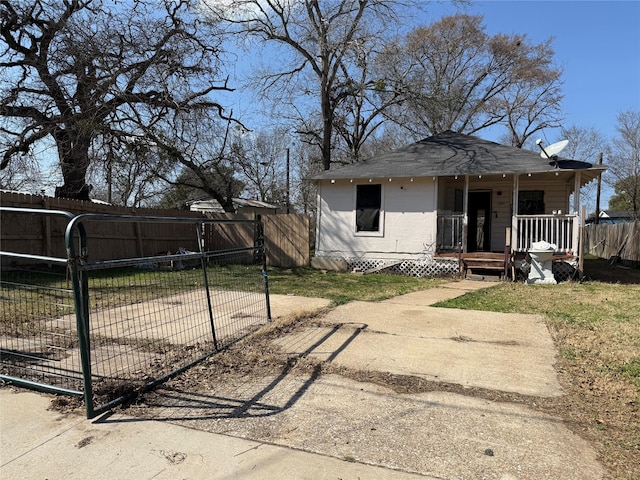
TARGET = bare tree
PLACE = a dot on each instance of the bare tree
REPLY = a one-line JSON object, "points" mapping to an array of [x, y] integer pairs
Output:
{"points": [[325, 38], [203, 161], [21, 175], [585, 144], [81, 72], [119, 173], [187, 186], [454, 76], [359, 117], [533, 102], [261, 161], [624, 165]]}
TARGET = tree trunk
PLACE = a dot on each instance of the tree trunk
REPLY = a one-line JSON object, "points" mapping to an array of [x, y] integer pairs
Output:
{"points": [[327, 130], [74, 162]]}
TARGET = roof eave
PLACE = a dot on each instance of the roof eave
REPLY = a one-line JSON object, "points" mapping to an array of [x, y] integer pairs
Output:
{"points": [[595, 170]]}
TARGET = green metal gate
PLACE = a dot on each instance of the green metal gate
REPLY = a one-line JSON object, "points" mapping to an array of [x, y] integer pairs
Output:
{"points": [[107, 329]]}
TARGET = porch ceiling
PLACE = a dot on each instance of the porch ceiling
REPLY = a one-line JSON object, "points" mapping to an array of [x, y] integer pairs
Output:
{"points": [[450, 153]]}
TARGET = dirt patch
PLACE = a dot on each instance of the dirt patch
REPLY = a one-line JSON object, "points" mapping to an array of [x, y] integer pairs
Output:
{"points": [[260, 356], [84, 442], [600, 407], [66, 404]]}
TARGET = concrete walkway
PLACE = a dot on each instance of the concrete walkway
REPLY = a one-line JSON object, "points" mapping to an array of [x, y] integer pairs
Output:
{"points": [[331, 426], [46, 445], [406, 336]]}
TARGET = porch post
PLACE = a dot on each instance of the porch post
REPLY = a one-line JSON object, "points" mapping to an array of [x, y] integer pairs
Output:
{"points": [[515, 234], [465, 218], [576, 193], [578, 222], [434, 234]]}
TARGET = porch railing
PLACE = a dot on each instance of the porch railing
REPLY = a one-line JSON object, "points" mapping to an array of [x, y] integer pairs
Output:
{"points": [[561, 230], [449, 233]]}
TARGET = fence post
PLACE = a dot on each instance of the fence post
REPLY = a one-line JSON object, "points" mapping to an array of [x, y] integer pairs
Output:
{"points": [[259, 246], [138, 233], [80, 286], [47, 229], [203, 265]]}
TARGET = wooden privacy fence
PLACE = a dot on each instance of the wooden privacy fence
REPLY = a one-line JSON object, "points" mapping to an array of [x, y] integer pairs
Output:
{"points": [[620, 240], [286, 236]]}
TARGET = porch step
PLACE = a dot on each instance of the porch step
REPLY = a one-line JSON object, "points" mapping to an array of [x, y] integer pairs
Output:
{"points": [[481, 265], [484, 262], [483, 256], [484, 265]]}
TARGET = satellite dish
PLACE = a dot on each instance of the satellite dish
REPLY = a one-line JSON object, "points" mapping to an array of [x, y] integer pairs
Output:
{"points": [[552, 150]]}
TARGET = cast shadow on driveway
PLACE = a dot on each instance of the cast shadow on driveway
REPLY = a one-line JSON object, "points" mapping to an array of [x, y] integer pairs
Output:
{"points": [[252, 398]]}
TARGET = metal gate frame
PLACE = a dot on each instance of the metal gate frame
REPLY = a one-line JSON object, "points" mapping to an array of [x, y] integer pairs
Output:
{"points": [[77, 249], [48, 260]]}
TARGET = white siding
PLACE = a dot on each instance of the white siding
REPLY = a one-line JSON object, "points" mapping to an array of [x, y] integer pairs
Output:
{"points": [[556, 194], [408, 220]]}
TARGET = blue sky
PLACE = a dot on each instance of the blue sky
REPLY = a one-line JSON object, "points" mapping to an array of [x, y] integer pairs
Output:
{"points": [[597, 43]]}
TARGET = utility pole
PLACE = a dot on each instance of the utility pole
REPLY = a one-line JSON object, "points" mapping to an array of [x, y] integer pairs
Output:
{"points": [[109, 174], [597, 219], [288, 191]]}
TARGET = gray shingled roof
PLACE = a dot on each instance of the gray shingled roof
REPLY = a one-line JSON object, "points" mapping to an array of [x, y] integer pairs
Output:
{"points": [[451, 153]]}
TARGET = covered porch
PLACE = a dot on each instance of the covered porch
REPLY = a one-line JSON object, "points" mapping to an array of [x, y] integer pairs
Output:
{"points": [[477, 221]]}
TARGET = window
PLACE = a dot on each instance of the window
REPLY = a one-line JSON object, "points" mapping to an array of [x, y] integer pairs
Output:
{"points": [[368, 205], [531, 202]]}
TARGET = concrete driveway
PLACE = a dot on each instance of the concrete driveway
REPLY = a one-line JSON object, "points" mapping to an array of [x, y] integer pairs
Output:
{"points": [[332, 426]]}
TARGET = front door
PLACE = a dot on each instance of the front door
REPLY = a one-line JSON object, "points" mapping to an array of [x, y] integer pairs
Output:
{"points": [[479, 231]]}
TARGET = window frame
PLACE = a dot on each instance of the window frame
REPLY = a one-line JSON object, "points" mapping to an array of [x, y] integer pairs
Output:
{"points": [[539, 201], [368, 233]]}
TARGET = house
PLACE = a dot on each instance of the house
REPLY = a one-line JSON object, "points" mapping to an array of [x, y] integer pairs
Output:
{"points": [[241, 205], [613, 217], [447, 192]]}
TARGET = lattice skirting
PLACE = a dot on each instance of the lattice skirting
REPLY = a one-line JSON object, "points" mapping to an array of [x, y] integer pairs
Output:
{"points": [[563, 270], [437, 267]]}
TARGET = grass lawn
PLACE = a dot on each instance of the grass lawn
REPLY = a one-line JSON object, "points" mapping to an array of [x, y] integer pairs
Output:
{"points": [[341, 288]]}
